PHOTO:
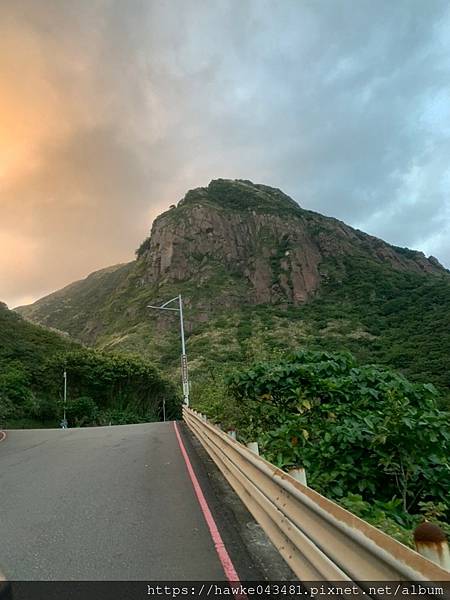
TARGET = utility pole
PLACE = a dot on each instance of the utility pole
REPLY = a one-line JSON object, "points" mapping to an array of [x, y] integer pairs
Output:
{"points": [[184, 367], [64, 423]]}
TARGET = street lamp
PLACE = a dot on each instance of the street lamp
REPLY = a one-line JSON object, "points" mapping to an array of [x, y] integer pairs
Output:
{"points": [[64, 422], [184, 369]]}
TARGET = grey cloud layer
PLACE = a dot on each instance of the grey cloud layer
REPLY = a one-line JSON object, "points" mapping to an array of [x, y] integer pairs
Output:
{"points": [[341, 104]]}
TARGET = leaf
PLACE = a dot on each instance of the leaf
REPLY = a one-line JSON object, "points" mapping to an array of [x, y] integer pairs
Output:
{"points": [[337, 490]]}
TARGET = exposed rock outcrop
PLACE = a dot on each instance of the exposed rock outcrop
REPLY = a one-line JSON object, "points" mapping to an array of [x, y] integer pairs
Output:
{"points": [[260, 235]]}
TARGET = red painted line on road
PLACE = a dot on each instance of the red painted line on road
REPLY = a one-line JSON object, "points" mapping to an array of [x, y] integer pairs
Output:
{"points": [[224, 557], [2, 433]]}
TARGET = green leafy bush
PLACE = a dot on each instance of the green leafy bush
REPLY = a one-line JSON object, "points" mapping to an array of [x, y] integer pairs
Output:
{"points": [[359, 426], [360, 431], [81, 411]]}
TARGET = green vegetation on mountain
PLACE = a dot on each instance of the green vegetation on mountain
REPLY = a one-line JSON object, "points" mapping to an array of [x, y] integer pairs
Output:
{"points": [[258, 274], [102, 387]]}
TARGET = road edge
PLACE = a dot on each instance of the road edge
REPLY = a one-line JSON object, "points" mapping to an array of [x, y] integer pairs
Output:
{"points": [[237, 525]]}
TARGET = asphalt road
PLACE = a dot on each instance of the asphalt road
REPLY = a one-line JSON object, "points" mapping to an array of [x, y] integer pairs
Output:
{"points": [[103, 503]]}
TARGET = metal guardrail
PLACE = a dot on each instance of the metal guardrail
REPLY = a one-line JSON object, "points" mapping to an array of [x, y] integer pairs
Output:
{"points": [[319, 540]]}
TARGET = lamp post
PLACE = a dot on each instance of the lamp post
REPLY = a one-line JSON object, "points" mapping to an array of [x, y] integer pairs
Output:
{"points": [[184, 368], [64, 423]]}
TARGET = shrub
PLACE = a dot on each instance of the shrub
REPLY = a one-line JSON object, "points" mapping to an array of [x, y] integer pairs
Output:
{"points": [[357, 429]]}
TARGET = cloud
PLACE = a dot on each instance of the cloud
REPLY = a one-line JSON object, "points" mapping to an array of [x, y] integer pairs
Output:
{"points": [[111, 110]]}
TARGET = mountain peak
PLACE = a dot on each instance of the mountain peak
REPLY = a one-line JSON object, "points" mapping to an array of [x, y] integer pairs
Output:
{"points": [[240, 194]]}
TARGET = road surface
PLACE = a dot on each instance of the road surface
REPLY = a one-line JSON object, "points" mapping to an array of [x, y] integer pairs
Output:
{"points": [[101, 503]]}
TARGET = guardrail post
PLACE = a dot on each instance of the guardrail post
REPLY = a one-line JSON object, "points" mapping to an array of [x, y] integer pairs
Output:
{"points": [[431, 542], [299, 474], [232, 433], [253, 446]]}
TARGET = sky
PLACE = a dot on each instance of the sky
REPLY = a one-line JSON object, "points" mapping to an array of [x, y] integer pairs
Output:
{"points": [[110, 110]]}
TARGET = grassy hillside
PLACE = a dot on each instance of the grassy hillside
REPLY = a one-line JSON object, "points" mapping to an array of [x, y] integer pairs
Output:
{"points": [[399, 319], [396, 318], [73, 308]]}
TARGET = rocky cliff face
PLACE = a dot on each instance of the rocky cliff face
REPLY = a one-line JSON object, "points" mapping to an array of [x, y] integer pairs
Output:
{"points": [[277, 260], [263, 238]]}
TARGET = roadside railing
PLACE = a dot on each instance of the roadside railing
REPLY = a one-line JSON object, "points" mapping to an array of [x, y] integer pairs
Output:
{"points": [[320, 540]]}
